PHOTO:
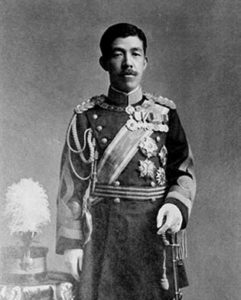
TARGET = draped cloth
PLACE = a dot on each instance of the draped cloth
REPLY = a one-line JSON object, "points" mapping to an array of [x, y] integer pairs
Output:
{"points": [[58, 286]]}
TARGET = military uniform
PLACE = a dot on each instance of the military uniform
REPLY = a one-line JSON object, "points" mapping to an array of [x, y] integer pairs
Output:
{"points": [[120, 164]]}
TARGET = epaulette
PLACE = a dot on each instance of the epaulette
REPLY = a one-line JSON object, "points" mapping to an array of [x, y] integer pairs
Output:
{"points": [[86, 105], [161, 100]]}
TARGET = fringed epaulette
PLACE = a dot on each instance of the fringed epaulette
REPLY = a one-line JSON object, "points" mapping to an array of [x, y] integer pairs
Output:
{"points": [[88, 104], [161, 100]]}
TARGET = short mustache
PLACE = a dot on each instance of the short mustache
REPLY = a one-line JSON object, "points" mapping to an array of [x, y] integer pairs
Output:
{"points": [[128, 72]]}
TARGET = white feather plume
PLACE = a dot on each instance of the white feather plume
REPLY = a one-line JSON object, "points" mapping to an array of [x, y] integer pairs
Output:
{"points": [[27, 207]]}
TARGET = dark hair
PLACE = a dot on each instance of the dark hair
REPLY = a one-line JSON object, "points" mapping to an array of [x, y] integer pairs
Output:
{"points": [[120, 30]]}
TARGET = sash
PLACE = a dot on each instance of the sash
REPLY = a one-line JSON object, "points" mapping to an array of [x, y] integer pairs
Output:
{"points": [[119, 153]]}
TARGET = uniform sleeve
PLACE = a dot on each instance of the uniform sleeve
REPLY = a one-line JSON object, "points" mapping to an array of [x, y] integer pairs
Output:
{"points": [[72, 187], [180, 169]]}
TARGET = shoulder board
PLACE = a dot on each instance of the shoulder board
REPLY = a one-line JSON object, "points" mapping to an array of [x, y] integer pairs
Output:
{"points": [[161, 100], [88, 104]]}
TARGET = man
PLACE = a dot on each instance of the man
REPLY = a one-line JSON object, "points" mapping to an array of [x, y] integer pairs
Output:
{"points": [[127, 183]]}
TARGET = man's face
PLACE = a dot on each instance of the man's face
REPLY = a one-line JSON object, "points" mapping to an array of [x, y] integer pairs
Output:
{"points": [[126, 63]]}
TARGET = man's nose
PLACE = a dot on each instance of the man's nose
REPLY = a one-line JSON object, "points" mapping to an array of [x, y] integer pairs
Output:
{"points": [[127, 63]]}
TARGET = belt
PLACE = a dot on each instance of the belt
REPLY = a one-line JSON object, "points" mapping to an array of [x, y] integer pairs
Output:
{"points": [[128, 192]]}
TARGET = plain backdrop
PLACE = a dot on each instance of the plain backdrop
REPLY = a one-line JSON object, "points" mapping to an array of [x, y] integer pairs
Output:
{"points": [[49, 63]]}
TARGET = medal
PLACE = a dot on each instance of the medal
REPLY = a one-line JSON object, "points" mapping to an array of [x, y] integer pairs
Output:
{"points": [[131, 124], [138, 116], [130, 110], [141, 117], [163, 155]]}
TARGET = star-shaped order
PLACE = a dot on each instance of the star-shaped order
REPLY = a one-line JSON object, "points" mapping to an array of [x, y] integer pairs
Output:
{"points": [[161, 176], [147, 168], [148, 147]]}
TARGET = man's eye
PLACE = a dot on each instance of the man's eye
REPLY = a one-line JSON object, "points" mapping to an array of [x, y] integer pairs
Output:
{"points": [[116, 54], [136, 54]]}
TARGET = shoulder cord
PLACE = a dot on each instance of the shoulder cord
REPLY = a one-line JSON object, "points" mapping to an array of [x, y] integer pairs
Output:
{"points": [[92, 156], [74, 131], [91, 143]]}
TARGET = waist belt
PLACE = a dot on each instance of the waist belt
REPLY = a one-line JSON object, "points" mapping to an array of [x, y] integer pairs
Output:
{"points": [[129, 192]]}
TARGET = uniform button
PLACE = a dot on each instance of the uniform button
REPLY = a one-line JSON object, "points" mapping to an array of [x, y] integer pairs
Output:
{"points": [[99, 128], [95, 116], [158, 139], [153, 199], [117, 200], [117, 183], [104, 140], [153, 184]]}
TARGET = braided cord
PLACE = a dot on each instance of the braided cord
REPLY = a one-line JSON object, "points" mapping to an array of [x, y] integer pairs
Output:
{"points": [[88, 132], [72, 127], [75, 172], [88, 139]]}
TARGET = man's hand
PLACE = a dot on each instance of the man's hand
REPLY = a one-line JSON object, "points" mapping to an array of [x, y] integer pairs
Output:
{"points": [[73, 259], [169, 218]]}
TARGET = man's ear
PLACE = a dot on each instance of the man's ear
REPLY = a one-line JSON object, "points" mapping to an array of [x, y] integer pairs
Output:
{"points": [[146, 62], [103, 63]]}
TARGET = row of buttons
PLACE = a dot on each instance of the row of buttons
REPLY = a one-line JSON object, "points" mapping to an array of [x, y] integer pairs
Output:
{"points": [[99, 128]]}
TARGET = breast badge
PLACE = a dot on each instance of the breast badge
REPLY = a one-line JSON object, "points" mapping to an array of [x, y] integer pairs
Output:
{"points": [[161, 176], [147, 168], [148, 147]]}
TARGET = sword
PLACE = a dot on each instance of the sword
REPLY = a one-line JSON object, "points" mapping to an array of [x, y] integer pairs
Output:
{"points": [[164, 281]]}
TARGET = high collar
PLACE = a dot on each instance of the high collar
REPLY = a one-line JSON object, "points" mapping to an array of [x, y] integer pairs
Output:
{"points": [[120, 98]]}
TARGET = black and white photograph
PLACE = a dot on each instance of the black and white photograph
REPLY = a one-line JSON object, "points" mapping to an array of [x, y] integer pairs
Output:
{"points": [[120, 159]]}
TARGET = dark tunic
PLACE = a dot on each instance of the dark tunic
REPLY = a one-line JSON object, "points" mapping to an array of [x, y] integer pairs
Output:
{"points": [[124, 258]]}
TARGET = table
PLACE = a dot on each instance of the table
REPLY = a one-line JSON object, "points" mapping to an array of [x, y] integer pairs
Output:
{"points": [[56, 286]]}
